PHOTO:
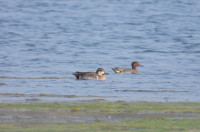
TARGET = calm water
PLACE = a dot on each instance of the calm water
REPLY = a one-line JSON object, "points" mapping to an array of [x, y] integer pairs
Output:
{"points": [[43, 42]]}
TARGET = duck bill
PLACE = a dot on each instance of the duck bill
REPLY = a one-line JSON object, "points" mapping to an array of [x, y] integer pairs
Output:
{"points": [[141, 65], [106, 73]]}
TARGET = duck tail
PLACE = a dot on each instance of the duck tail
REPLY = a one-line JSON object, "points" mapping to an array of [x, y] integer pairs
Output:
{"points": [[116, 70], [76, 75], [113, 69]]}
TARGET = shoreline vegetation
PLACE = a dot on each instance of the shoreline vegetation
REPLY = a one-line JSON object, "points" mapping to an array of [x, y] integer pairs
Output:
{"points": [[100, 116]]}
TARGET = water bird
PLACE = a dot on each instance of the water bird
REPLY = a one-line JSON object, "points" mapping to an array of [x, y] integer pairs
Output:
{"points": [[98, 75], [134, 69]]}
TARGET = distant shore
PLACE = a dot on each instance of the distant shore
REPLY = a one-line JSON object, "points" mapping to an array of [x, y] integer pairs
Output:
{"points": [[100, 116]]}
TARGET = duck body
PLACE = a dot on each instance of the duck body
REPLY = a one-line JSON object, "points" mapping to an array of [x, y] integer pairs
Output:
{"points": [[134, 69], [98, 75], [124, 70]]}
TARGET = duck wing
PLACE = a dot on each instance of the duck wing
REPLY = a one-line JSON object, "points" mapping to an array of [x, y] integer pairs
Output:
{"points": [[122, 70], [85, 75]]}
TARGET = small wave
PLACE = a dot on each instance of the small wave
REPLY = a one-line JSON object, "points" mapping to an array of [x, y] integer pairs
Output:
{"points": [[154, 51], [6, 77], [2, 84], [173, 91], [50, 95]]}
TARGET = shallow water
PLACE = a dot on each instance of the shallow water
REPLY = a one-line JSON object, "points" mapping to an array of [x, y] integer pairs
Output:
{"points": [[43, 42]]}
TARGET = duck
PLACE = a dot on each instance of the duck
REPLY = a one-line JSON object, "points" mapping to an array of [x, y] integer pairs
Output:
{"points": [[134, 69], [98, 75]]}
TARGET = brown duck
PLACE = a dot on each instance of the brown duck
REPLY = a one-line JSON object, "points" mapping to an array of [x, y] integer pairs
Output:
{"points": [[134, 69], [98, 75]]}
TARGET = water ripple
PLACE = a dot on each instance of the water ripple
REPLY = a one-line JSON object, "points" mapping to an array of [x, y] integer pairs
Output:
{"points": [[43, 42]]}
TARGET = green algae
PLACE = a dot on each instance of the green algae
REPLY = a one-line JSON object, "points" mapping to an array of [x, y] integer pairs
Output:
{"points": [[100, 116], [116, 107], [139, 125]]}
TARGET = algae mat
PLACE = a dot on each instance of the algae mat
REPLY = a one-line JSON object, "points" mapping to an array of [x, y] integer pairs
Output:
{"points": [[100, 116]]}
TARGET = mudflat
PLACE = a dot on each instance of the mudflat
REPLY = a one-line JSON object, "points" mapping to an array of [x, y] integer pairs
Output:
{"points": [[100, 116]]}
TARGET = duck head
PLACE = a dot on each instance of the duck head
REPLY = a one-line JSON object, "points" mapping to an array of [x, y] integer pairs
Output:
{"points": [[101, 71], [135, 64]]}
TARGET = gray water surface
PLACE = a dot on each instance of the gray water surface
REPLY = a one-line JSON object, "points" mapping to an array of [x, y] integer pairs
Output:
{"points": [[43, 42]]}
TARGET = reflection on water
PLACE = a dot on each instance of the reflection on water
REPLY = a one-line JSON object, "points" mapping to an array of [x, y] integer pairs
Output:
{"points": [[44, 42]]}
